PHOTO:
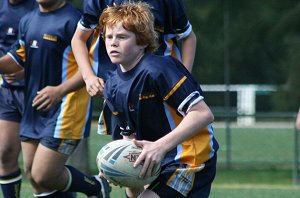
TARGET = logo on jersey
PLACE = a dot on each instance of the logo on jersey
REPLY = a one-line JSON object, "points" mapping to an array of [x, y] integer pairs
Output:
{"points": [[34, 44], [50, 37], [11, 31], [131, 107], [145, 96]]}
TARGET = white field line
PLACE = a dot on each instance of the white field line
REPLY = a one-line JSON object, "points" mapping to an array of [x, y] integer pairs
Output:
{"points": [[277, 125], [256, 186]]}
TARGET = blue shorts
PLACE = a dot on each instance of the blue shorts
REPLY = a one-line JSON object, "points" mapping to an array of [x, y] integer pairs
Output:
{"points": [[200, 187], [62, 146], [11, 104]]}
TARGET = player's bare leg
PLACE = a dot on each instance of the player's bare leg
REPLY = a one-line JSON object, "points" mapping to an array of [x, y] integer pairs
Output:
{"points": [[47, 168], [148, 194], [29, 148], [9, 146], [134, 192], [9, 153]]}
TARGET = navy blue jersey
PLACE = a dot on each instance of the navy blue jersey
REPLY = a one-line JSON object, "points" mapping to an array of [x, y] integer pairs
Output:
{"points": [[171, 23], [44, 49], [151, 100], [10, 16]]}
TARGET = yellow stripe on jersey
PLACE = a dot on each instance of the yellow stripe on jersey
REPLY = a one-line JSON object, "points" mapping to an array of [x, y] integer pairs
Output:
{"points": [[21, 53], [172, 51], [94, 44], [74, 115], [175, 88], [196, 150], [75, 107], [50, 37], [72, 66]]}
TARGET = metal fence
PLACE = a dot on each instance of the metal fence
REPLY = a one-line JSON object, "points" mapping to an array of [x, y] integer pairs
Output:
{"points": [[272, 141]]}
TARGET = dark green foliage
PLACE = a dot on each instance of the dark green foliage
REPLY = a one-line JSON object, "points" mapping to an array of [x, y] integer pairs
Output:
{"points": [[264, 44]]}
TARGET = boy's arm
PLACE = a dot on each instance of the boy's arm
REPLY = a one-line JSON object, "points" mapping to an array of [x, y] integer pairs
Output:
{"points": [[188, 50], [8, 65], [80, 50], [94, 85], [51, 95], [197, 118]]}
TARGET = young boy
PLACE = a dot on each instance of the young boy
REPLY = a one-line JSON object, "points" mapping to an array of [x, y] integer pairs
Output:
{"points": [[155, 100], [171, 24]]}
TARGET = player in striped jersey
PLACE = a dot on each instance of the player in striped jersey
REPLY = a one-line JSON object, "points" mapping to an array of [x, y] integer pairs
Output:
{"points": [[171, 23], [155, 100], [11, 99], [57, 111]]}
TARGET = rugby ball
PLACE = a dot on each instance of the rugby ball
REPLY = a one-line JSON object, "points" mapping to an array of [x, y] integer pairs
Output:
{"points": [[115, 162]]}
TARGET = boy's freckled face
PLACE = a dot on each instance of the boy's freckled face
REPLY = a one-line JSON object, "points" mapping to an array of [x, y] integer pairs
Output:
{"points": [[121, 46]]}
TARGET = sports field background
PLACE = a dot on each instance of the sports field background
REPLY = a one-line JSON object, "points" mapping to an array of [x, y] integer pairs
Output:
{"points": [[261, 163]]}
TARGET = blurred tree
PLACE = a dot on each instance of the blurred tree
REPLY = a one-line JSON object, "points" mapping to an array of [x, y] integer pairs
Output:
{"points": [[264, 45]]}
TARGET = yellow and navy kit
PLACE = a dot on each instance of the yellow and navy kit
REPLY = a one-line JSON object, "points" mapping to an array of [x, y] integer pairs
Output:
{"points": [[171, 23], [151, 100], [10, 16], [44, 50]]}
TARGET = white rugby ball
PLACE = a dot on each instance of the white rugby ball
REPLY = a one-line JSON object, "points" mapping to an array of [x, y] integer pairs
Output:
{"points": [[115, 162]]}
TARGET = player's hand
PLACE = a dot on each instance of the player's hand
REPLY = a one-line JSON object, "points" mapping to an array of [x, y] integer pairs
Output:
{"points": [[47, 98], [15, 77], [94, 85], [150, 158]]}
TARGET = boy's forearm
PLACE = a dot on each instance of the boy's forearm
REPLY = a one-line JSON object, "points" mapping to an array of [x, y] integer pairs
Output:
{"points": [[188, 51], [8, 65], [73, 84]]}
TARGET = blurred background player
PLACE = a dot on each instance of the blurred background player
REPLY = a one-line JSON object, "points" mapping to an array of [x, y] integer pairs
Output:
{"points": [[57, 111], [156, 100], [298, 120], [171, 23], [11, 99]]}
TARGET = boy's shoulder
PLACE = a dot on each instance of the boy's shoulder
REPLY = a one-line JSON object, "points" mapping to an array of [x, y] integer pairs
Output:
{"points": [[161, 63]]}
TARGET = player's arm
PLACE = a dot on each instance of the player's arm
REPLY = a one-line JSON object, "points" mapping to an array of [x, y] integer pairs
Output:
{"points": [[94, 85], [80, 50], [197, 118], [51, 95], [8, 65], [188, 50]]}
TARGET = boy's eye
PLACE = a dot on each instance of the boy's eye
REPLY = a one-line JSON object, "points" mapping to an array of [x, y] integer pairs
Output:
{"points": [[122, 36]]}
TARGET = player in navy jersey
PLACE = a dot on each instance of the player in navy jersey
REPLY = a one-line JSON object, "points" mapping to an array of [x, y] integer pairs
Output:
{"points": [[11, 99], [57, 108], [171, 23], [155, 100]]}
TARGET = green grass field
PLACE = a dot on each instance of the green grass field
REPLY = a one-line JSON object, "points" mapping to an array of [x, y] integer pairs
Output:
{"points": [[262, 161]]}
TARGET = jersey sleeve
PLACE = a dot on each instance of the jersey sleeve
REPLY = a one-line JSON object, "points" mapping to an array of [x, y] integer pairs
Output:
{"points": [[178, 20], [17, 50], [91, 14], [177, 86]]}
